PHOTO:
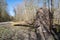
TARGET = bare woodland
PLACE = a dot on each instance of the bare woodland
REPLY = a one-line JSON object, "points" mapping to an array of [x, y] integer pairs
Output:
{"points": [[40, 22]]}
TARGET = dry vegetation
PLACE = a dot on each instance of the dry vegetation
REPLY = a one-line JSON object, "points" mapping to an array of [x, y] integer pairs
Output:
{"points": [[16, 33]]}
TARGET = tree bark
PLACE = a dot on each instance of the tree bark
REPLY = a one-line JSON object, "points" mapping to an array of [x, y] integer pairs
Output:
{"points": [[42, 25]]}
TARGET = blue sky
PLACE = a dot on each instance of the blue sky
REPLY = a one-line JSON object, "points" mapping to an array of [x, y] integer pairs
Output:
{"points": [[11, 4]]}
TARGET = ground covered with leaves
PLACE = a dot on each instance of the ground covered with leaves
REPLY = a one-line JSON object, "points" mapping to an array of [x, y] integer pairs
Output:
{"points": [[16, 33]]}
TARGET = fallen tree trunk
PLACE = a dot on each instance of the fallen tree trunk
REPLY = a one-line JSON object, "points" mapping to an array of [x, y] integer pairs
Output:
{"points": [[26, 25]]}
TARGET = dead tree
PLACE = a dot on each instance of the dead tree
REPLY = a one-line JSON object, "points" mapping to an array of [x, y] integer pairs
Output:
{"points": [[42, 25]]}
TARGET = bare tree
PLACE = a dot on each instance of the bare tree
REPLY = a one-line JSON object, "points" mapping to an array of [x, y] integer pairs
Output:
{"points": [[19, 12], [30, 8], [44, 3], [58, 3], [4, 14]]}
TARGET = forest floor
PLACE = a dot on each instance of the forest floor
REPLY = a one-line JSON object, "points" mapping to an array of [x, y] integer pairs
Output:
{"points": [[11, 32]]}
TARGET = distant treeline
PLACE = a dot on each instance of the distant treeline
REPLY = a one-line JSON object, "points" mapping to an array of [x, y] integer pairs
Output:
{"points": [[4, 16]]}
